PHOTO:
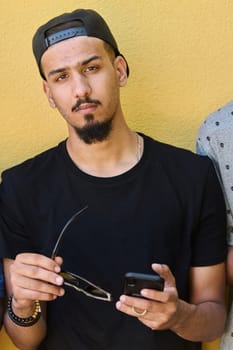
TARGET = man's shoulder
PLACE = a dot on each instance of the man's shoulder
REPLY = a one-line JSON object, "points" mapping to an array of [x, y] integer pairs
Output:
{"points": [[167, 153], [34, 166], [181, 165]]}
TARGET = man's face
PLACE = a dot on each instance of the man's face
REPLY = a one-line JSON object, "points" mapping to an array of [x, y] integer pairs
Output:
{"points": [[83, 82]]}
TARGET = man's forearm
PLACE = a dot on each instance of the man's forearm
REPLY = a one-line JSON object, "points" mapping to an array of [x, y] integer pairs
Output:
{"points": [[203, 322], [27, 338]]}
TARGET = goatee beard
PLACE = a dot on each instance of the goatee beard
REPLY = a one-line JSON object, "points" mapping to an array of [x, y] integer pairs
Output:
{"points": [[94, 131]]}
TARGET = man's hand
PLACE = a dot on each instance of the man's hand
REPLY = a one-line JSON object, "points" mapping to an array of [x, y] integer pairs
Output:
{"points": [[34, 277], [159, 309], [191, 320]]}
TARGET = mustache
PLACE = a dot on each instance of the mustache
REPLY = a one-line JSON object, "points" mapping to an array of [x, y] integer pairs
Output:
{"points": [[86, 100]]}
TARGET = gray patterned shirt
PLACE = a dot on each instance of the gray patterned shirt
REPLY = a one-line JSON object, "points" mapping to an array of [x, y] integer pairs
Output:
{"points": [[215, 139]]}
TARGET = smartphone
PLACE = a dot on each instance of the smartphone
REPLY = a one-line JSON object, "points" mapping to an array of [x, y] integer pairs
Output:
{"points": [[135, 282]]}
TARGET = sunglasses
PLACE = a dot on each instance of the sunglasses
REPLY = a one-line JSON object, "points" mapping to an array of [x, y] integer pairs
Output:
{"points": [[77, 282]]}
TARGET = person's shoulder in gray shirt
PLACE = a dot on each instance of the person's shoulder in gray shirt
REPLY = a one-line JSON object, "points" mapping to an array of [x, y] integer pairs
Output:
{"points": [[215, 140]]}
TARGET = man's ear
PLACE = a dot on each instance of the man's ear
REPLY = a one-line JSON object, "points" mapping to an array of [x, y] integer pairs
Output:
{"points": [[121, 70], [48, 94]]}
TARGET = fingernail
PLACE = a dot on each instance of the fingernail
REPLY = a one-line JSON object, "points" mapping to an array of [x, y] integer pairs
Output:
{"points": [[61, 292], [122, 298], [59, 280], [144, 293], [57, 269], [118, 305]]}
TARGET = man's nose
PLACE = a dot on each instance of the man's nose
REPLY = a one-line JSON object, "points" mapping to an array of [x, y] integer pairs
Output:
{"points": [[81, 86]]}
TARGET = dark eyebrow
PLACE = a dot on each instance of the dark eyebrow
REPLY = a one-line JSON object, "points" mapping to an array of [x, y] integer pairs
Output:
{"points": [[55, 71], [83, 63], [90, 59]]}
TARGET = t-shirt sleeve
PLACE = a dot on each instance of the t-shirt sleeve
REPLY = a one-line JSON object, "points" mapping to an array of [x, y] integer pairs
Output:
{"points": [[209, 243], [13, 236]]}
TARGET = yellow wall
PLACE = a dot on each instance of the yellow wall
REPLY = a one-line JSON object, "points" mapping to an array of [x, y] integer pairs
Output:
{"points": [[181, 57]]}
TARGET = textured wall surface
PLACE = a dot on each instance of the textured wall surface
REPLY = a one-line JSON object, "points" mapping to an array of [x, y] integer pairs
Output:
{"points": [[179, 51]]}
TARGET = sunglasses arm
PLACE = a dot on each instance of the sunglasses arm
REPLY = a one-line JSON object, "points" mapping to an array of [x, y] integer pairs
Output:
{"points": [[57, 245]]}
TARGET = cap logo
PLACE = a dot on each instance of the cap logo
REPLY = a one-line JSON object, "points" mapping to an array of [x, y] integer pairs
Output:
{"points": [[65, 34]]}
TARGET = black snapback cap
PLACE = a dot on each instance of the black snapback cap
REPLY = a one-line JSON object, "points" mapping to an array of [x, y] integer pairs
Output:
{"points": [[90, 24]]}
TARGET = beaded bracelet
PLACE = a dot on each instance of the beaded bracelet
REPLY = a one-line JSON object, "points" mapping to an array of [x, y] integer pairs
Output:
{"points": [[24, 321]]}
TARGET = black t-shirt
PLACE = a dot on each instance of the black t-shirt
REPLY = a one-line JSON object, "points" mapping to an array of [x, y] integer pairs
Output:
{"points": [[167, 209]]}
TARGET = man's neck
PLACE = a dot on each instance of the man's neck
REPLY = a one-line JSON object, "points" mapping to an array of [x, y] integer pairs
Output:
{"points": [[111, 157]]}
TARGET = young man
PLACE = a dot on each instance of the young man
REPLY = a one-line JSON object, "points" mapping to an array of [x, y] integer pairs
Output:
{"points": [[215, 139], [102, 203]]}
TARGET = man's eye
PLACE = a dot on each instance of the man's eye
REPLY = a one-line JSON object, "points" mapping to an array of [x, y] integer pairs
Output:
{"points": [[91, 68], [61, 77]]}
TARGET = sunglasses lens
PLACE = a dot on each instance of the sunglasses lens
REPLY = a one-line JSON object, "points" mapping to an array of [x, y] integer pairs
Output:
{"points": [[94, 291], [83, 285]]}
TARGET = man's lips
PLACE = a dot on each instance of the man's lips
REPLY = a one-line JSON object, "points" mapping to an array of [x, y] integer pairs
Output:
{"points": [[86, 107]]}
